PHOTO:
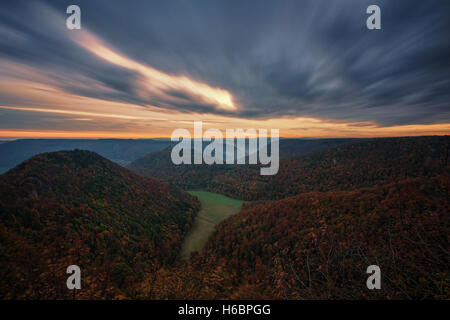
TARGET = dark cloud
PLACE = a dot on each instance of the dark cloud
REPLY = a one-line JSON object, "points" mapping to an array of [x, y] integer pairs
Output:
{"points": [[307, 58]]}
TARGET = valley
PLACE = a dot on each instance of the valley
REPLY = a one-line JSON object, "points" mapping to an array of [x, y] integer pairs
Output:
{"points": [[309, 232], [214, 209]]}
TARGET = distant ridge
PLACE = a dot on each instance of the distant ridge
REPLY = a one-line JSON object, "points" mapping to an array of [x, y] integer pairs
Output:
{"points": [[121, 151], [159, 164], [310, 165]]}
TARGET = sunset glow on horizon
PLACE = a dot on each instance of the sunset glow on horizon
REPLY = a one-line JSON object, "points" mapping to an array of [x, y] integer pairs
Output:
{"points": [[144, 78], [161, 125]]}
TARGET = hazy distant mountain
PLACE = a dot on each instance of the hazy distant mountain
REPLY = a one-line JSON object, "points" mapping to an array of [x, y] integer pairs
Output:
{"points": [[121, 151], [300, 147]]}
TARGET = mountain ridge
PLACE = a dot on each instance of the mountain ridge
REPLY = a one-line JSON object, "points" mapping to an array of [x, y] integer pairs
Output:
{"points": [[361, 163]]}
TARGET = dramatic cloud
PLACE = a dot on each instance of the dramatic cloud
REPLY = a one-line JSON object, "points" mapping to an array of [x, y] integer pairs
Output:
{"points": [[247, 59]]}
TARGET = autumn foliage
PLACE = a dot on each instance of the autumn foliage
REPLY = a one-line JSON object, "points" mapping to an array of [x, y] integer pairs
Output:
{"points": [[76, 207], [309, 232]]}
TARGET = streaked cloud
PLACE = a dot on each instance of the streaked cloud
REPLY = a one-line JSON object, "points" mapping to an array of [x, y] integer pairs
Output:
{"points": [[160, 83], [83, 113], [309, 67]]}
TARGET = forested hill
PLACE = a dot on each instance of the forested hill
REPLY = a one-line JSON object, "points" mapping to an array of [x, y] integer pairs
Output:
{"points": [[350, 165], [159, 163], [329, 215], [319, 245], [76, 207], [121, 151]]}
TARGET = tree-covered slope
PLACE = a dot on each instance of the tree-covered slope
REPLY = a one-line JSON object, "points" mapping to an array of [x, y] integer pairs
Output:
{"points": [[75, 207], [350, 165], [121, 151], [319, 245]]}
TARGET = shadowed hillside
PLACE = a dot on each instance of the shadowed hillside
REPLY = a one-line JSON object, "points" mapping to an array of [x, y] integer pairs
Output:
{"points": [[346, 167], [358, 165], [76, 207], [311, 232], [121, 151], [159, 163], [319, 245]]}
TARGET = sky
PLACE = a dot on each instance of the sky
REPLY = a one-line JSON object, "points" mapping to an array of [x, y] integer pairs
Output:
{"points": [[141, 69]]}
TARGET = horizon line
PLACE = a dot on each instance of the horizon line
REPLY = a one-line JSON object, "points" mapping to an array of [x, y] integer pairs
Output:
{"points": [[9, 139]]}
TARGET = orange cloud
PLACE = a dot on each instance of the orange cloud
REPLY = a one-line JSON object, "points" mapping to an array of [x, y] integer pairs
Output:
{"points": [[36, 92], [157, 81], [142, 123]]}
